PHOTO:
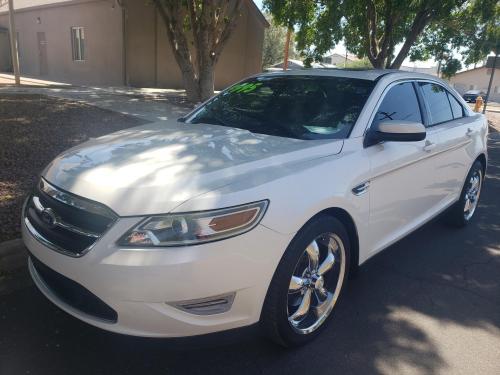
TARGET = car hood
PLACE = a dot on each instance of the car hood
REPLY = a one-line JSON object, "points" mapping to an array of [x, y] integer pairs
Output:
{"points": [[153, 168]]}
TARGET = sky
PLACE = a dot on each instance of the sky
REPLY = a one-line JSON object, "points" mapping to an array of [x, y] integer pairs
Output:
{"points": [[340, 49], [258, 3]]}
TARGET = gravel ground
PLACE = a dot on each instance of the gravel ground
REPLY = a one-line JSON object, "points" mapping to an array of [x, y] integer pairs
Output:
{"points": [[34, 129]]}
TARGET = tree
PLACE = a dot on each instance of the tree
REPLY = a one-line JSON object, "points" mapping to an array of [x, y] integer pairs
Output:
{"points": [[359, 64], [450, 67], [197, 31], [274, 42], [317, 24], [480, 31], [435, 43], [370, 28], [472, 32], [485, 39]]}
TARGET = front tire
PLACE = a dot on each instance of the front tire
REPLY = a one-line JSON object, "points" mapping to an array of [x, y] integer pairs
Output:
{"points": [[461, 213], [307, 283]]}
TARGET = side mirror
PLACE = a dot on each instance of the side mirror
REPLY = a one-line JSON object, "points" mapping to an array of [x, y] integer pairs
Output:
{"points": [[395, 131]]}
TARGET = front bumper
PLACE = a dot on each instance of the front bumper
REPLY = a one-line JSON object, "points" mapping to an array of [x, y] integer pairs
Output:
{"points": [[142, 285]]}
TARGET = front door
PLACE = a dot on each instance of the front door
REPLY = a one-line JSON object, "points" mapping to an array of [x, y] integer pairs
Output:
{"points": [[402, 183], [42, 54]]}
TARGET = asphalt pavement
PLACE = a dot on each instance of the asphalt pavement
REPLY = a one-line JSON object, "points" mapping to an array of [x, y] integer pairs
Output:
{"points": [[429, 304]]}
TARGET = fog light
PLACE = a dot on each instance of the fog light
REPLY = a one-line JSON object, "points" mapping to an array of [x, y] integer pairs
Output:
{"points": [[207, 306]]}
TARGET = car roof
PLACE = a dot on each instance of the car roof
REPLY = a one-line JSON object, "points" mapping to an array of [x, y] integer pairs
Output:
{"points": [[368, 74]]}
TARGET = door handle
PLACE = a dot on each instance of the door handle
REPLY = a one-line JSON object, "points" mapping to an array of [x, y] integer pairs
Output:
{"points": [[429, 146], [469, 132], [361, 188]]}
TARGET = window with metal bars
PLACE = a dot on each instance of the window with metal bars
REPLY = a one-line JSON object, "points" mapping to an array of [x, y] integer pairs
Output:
{"points": [[78, 43]]}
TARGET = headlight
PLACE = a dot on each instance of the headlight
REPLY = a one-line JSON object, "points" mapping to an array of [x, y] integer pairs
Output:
{"points": [[196, 227]]}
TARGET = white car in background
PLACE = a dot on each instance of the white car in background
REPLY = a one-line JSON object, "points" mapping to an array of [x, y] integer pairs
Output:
{"points": [[255, 207]]}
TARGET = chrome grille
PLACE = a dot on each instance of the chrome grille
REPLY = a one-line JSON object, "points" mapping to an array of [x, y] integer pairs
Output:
{"points": [[65, 222]]}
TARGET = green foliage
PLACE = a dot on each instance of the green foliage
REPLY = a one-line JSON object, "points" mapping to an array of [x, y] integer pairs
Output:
{"points": [[359, 64], [317, 24], [451, 67], [479, 30], [373, 28], [308, 60], [472, 31], [274, 44]]}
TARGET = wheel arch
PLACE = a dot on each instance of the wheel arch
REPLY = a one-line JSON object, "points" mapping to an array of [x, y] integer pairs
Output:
{"points": [[346, 219], [482, 159]]}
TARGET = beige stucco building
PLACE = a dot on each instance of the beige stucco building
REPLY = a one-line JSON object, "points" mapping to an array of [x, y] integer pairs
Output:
{"points": [[118, 42], [338, 59], [478, 79]]}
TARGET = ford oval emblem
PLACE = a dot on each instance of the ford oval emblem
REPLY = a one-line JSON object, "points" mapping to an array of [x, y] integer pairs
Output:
{"points": [[48, 217]]}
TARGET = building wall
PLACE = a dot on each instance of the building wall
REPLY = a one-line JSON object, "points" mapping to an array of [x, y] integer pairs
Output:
{"points": [[339, 60], [5, 64], [242, 56], [150, 61], [136, 52], [102, 21], [431, 70], [140, 43], [477, 79]]}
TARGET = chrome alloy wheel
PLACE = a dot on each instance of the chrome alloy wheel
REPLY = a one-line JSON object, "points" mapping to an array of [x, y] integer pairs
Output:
{"points": [[472, 193], [316, 283]]}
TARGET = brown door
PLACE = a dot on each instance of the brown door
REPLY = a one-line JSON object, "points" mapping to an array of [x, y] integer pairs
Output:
{"points": [[42, 53]]}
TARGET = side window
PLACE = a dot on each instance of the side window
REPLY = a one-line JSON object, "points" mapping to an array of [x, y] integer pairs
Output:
{"points": [[456, 107], [437, 101], [400, 103]]}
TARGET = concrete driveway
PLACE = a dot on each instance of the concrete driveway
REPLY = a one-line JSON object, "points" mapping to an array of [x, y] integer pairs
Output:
{"points": [[151, 104], [428, 305]]}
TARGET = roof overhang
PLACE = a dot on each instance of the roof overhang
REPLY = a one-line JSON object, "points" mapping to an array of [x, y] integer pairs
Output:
{"points": [[256, 11]]}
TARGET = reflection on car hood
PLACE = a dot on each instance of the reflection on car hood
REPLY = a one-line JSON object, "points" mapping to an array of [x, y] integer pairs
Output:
{"points": [[155, 167]]}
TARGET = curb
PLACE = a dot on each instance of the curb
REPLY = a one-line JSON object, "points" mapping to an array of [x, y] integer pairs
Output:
{"points": [[13, 256]]}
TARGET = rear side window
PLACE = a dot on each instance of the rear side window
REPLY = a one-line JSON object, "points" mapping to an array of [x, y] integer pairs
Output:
{"points": [[400, 103], [456, 107], [437, 101]]}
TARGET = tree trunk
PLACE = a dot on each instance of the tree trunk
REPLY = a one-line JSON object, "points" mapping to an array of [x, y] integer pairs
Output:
{"points": [[206, 81], [191, 86], [180, 49], [378, 63], [390, 53], [421, 20], [211, 24], [287, 48]]}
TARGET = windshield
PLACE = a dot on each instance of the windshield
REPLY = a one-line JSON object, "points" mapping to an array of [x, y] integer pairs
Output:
{"points": [[302, 107]]}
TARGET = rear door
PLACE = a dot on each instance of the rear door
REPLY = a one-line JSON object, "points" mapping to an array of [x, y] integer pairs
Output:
{"points": [[402, 174], [42, 54], [457, 131]]}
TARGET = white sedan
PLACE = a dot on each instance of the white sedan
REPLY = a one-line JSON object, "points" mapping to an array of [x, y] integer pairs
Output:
{"points": [[256, 206]]}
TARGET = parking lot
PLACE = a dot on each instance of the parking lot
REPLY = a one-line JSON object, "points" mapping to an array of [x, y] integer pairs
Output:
{"points": [[430, 304]]}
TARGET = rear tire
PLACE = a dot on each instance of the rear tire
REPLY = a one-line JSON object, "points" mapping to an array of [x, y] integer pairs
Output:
{"points": [[462, 212], [307, 283]]}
